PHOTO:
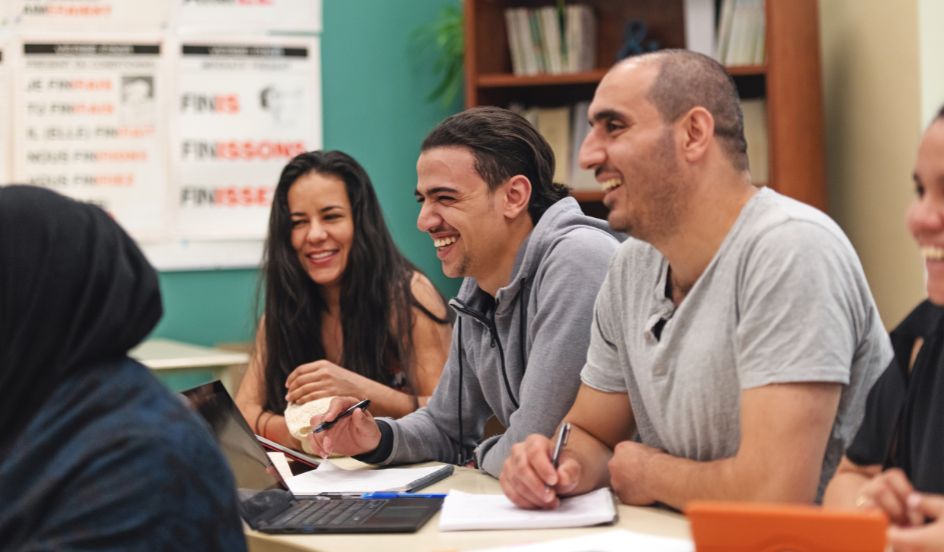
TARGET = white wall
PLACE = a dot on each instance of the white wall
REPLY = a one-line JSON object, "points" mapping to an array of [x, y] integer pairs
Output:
{"points": [[931, 50], [873, 82]]}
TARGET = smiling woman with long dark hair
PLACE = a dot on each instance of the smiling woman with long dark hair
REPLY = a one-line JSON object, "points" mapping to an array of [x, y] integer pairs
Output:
{"points": [[345, 312]]}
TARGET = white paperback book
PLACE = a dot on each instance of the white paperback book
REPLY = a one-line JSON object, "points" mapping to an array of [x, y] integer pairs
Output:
{"points": [[465, 511]]}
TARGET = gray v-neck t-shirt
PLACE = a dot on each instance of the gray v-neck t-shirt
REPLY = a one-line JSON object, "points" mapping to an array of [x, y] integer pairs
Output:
{"points": [[783, 300]]}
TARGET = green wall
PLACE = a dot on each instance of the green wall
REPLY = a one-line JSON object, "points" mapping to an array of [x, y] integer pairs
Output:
{"points": [[375, 79]]}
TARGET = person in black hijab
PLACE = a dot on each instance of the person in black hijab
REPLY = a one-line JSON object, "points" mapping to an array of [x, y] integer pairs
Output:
{"points": [[95, 454], [896, 461]]}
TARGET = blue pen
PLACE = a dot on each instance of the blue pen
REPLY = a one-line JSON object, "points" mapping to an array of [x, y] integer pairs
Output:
{"points": [[382, 494]]}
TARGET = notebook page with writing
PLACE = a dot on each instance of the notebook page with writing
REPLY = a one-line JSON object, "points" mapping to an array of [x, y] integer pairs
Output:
{"points": [[465, 511]]}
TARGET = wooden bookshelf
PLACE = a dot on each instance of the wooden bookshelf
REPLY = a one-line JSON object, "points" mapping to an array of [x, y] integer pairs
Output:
{"points": [[790, 80], [504, 80]]}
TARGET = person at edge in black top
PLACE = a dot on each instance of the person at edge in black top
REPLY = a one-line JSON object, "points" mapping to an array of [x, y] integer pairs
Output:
{"points": [[95, 453], [896, 461]]}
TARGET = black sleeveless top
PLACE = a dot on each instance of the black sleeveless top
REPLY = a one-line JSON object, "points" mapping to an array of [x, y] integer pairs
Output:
{"points": [[904, 414]]}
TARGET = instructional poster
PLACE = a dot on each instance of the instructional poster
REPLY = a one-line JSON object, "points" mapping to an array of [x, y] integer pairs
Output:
{"points": [[250, 15], [243, 110], [83, 15], [89, 123]]}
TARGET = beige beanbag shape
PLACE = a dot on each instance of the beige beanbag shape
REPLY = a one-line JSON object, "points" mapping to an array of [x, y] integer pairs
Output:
{"points": [[298, 418]]}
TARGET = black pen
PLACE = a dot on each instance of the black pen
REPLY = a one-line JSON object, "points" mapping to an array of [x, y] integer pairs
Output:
{"points": [[561, 442], [328, 425]]}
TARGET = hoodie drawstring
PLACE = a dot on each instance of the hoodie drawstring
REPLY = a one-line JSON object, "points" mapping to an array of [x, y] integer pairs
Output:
{"points": [[460, 457]]}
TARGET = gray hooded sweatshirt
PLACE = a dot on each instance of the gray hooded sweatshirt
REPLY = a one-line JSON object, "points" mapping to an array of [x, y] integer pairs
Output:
{"points": [[516, 356]]}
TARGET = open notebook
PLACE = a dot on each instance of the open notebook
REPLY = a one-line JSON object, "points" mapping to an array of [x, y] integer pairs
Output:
{"points": [[465, 511]]}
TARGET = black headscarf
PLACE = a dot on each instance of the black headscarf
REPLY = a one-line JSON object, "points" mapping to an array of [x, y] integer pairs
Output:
{"points": [[74, 289]]}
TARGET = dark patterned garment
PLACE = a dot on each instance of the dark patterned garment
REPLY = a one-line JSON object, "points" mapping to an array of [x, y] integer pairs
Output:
{"points": [[95, 454], [904, 416], [114, 461]]}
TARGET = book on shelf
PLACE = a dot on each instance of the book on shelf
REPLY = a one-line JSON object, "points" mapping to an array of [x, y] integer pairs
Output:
{"points": [[551, 40], [580, 37], [551, 33], [755, 133], [537, 42], [564, 128], [514, 42], [741, 30], [580, 179], [520, 42], [554, 125]]}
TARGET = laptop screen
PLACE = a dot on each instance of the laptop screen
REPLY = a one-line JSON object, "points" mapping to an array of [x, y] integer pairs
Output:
{"points": [[247, 459]]}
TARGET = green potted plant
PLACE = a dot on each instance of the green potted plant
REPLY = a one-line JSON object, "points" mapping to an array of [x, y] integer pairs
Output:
{"points": [[444, 36]]}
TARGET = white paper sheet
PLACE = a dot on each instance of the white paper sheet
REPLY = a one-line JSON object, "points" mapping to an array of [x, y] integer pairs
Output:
{"points": [[465, 511], [281, 464], [618, 540], [331, 479]]}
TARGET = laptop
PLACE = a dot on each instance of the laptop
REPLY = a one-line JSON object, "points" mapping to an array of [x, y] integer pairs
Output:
{"points": [[265, 501], [744, 527]]}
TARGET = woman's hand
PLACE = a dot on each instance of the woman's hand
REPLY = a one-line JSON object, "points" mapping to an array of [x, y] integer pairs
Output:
{"points": [[888, 492], [320, 379], [921, 538]]}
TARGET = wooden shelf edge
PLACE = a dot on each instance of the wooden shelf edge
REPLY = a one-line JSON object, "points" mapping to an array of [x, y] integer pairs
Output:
{"points": [[746, 70], [506, 80], [509, 80]]}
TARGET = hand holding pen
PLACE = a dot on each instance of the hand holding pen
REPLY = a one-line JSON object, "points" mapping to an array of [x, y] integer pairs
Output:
{"points": [[362, 405], [347, 428], [562, 435], [537, 472]]}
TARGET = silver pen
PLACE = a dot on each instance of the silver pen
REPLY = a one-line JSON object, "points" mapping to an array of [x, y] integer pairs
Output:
{"points": [[562, 436]]}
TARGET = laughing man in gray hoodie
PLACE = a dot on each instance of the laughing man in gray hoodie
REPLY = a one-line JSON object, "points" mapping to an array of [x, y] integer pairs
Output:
{"points": [[532, 263]]}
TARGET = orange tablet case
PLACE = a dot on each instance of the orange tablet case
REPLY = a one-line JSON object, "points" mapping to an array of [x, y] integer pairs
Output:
{"points": [[753, 527]]}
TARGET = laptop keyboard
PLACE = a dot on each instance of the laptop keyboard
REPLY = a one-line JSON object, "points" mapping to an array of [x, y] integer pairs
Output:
{"points": [[328, 513]]}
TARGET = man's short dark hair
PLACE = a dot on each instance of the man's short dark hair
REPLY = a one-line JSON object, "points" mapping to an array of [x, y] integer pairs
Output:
{"points": [[688, 79], [503, 144]]}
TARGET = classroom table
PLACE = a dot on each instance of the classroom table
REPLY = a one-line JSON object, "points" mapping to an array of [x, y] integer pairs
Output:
{"points": [[643, 520], [167, 357]]}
